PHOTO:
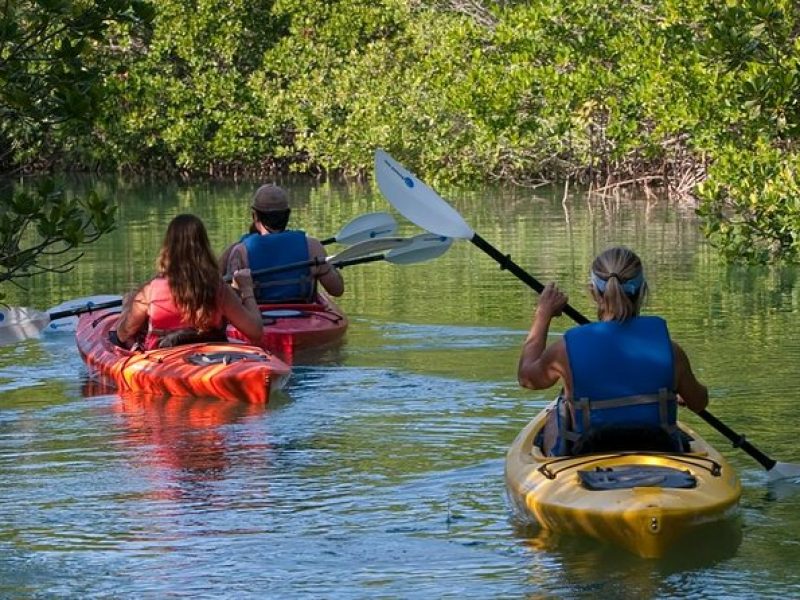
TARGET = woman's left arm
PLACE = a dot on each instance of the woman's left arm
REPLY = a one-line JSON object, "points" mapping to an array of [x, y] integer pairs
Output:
{"points": [[243, 313]]}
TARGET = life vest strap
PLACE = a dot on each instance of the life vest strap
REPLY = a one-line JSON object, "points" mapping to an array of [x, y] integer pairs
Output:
{"points": [[582, 409], [584, 406]]}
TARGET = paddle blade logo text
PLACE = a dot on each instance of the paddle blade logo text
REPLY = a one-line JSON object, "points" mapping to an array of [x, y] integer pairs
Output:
{"points": [[407, 180]]}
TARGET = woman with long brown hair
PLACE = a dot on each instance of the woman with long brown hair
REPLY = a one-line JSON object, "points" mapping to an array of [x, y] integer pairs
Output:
{"points": [[622, 376], [188, 300]]}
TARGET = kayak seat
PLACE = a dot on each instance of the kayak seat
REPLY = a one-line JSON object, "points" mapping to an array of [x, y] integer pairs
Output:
{"points": [[631, 476], [179, 337], [628, 438]]}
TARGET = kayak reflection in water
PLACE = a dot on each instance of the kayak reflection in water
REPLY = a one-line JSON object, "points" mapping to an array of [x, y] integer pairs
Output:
{"points": [[184, 447], [622, 376], [188, 301]]}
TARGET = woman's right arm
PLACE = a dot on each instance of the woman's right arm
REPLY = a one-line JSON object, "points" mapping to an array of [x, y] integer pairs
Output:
{"points": [[133, 317], [691, 392], [243, 313]]}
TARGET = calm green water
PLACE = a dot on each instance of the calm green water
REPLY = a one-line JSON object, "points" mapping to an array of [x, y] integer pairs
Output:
{"points": [[379, 472]]}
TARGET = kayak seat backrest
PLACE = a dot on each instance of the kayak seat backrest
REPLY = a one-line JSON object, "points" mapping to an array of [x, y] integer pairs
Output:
{"points": [[632, 476], [628, 438], [179, 337]]}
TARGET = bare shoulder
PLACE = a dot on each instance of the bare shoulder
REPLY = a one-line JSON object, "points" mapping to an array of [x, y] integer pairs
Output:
{"points": [[315, 247]]}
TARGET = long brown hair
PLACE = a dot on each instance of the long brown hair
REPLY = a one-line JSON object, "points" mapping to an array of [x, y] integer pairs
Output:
{"points": [[618, 285], [188, 263]]}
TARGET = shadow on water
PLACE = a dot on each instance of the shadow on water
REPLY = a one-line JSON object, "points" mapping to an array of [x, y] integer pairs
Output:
{"points": [[333, 354], [589, 564]]}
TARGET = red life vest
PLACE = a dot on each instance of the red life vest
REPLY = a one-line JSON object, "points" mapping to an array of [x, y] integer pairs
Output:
{"points": [[163, 315]]}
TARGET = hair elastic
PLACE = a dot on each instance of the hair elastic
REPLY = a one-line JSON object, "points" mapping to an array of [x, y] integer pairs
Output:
{"points": [[631, 287]]}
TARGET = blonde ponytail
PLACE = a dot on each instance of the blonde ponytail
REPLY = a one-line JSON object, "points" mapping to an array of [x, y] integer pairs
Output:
{"points": [[618, 284]]}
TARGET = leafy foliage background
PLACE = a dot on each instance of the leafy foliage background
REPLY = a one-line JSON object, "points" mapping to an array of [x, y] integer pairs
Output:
{"points": [[698, 98]]}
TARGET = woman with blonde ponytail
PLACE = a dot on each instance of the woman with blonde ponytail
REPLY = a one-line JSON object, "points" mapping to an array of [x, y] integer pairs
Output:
{"points": [[622, 376]]}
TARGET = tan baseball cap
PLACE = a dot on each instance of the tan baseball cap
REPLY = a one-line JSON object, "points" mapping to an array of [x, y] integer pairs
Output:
{"points": [[270, 197]]}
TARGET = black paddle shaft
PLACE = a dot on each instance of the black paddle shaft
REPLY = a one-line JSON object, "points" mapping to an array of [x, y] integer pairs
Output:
{"points": [[505, 262], [738, 440], [88, 308], [339, 264]]}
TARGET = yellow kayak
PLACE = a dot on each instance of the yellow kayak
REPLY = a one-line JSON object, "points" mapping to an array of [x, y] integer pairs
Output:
{"points": [[642, 501]]}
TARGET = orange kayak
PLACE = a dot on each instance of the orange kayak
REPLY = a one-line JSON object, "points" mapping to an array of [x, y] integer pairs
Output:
{"points": [[290, 328], [219, 370]]}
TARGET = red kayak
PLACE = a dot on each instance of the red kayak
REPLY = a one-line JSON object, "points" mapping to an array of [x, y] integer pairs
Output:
{"points": [[289, 328], [219, 370]]}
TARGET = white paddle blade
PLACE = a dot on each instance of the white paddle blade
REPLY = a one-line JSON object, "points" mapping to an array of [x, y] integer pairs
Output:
{"points": [[367, 227], [368, 247], [19, 323], [782, 471], [420, 248], [68, 324], [416, 201]]}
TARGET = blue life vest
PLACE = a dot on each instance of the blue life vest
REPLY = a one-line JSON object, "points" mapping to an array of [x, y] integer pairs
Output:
{"points": [[274, 250], [623, 377]]}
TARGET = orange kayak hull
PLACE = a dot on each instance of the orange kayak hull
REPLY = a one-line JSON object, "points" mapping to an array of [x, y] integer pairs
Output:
{"points": [[219, 370]]}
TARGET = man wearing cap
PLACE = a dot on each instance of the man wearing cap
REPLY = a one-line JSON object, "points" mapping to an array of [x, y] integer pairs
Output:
{"points": [[270, 245]]}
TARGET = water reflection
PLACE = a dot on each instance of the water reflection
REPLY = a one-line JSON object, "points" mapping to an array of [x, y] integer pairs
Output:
{"points": [[185, 446]]}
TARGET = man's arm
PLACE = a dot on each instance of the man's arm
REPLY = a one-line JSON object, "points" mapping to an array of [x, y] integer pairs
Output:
{"points": [[328, 275], [224, 258]]}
